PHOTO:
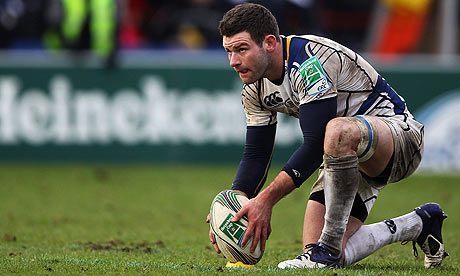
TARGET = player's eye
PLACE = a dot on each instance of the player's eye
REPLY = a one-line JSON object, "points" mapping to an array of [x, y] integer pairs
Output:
{"points": [[242, 50]]}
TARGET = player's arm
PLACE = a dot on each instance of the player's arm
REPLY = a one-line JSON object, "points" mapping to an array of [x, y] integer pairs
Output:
{"points": [[253, 168], [254, 165], [318, 105], [260, 138], [314, 117], [259, 210]]}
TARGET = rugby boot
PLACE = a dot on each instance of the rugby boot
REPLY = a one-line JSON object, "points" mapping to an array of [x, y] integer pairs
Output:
{"points": [[430, 239], [318, 256]]}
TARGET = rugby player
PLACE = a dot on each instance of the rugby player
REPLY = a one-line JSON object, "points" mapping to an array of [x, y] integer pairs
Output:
{"points": [[356, 129]]}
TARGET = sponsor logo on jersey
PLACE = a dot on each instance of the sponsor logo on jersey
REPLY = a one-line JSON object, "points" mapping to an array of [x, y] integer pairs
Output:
{"points": [[314, 76], [273, 99]]}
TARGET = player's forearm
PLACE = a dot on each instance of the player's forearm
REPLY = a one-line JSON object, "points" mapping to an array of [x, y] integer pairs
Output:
{"points": [[307, 158], [281, 186], [253, 168]]}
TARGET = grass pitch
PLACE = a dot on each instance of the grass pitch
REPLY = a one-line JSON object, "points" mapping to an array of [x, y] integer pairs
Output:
{"points": [[150, 220]]}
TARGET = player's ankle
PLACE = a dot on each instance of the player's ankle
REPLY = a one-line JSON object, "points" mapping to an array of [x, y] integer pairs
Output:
{"points": [[332, 250]]}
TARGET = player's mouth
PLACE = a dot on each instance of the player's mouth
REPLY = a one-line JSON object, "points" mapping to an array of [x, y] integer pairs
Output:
{"points": [[243, 72]]}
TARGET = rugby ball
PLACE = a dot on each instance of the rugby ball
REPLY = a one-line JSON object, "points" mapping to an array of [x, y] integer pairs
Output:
{"points": [[228, 234]]}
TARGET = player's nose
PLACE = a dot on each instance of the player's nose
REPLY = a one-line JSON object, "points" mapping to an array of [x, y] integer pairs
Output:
{"points": [[235, 60]]}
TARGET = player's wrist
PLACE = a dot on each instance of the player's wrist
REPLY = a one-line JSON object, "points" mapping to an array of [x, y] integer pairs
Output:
{"points": [[280, 187]]}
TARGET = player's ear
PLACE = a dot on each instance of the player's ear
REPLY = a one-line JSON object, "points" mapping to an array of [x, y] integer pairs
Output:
{"points": [[269, 43]]}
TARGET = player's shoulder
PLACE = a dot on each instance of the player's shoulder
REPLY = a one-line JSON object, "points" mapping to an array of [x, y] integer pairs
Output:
{"points": [[301, 48], [252, 88], [296, 43], [303, 39], [251, 93]]}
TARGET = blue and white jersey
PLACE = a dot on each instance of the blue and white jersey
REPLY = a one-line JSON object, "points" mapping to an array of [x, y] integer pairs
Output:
{"points": [[318, 68]]}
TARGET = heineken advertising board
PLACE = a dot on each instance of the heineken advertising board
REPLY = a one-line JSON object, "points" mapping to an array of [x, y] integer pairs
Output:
{"points": [[130, 114], [155, 111]]}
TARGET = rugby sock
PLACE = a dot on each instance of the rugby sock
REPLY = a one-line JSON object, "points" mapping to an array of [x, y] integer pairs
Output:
{"points": [[370, 238], [340, 186]]}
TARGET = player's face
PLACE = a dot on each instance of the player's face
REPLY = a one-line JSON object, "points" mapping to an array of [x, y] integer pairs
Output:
{"points": [[248, 59]]}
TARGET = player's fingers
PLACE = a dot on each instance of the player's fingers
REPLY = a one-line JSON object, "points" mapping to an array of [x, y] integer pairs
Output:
{"points": [[249, 233], [211, 237], [208, 218], [269, 231], [216, 248], [256, 239], [240, 214], [213, 241], [263, 240]]}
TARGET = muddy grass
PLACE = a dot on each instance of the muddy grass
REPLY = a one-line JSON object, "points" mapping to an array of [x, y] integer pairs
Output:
{"points": [[122, 246]]}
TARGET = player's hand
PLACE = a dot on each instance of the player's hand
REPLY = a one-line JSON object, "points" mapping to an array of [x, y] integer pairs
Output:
{"points": [[259, 215], [211, 237]]}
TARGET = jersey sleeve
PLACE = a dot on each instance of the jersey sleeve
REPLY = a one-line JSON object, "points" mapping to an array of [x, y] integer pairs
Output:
{"points": [[313, 119], [256, 114], [255, 163]]}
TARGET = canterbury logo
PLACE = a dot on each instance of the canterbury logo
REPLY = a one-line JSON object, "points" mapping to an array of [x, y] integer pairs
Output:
{"points": [[273, 99], [296, 172], [391, 225]]}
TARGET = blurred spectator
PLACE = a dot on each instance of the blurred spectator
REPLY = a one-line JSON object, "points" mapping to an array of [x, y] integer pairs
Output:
{"points": [[132, 14], [400, 26], [347, 22], [147, 23], [380, 26], [80, 25], [301, 17], [60, 24], [198, 21], [179, 23], [294, 16], [22, 23]]}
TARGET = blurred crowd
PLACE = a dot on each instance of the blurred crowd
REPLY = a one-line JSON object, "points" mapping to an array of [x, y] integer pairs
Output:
{"points": [[104, 26]]}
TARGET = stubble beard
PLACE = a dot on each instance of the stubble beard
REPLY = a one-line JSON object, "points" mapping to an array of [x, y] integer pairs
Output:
{"points": [[260, 68]]}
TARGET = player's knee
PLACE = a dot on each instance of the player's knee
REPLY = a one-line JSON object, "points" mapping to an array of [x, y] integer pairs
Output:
{"points": [[342, 137]]}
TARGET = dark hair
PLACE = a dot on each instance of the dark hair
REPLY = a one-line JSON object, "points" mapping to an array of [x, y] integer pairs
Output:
{"points": [[257, 20]]}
